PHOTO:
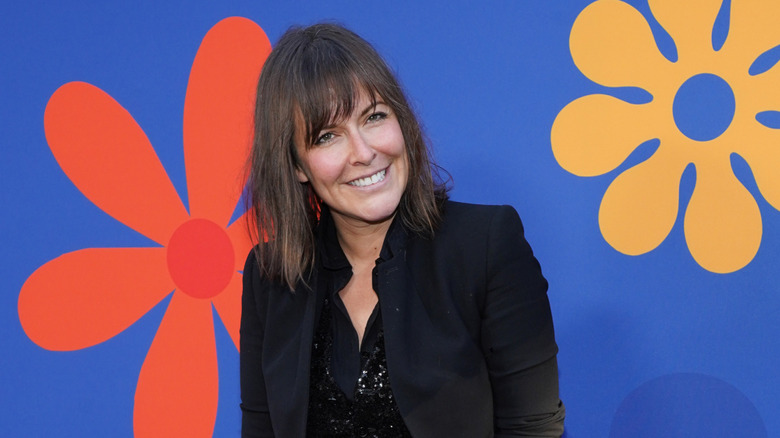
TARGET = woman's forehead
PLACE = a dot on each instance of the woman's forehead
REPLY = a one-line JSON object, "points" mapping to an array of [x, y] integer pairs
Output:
{"points": [[338, 105]]}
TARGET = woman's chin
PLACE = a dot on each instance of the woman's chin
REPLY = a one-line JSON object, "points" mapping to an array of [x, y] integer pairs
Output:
{"points": [[368, 216]]}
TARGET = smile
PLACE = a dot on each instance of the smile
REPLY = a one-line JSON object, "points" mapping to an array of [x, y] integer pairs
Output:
{"points": [[369, 180]]}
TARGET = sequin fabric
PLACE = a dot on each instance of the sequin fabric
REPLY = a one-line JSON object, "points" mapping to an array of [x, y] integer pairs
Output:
{"points": [[372, 414]]}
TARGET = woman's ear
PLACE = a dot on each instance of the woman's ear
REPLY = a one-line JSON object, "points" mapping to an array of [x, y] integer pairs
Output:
{"points": [[301, 175]]}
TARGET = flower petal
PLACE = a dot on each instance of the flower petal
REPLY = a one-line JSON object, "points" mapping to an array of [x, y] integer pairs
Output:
{"points": [[753, 30], [689, 23], [640, 207], [218, 114], [763, 156], [86, 297], [594, 134], [755, 94], [108, 157], [228, 305], [611, 43], [722, 223], [178, 386], [242, 242]]}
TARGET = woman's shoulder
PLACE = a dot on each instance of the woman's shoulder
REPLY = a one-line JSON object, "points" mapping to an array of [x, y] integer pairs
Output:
{"points": [[466, 227], [475, 217], [459, 207], [254, 279]]}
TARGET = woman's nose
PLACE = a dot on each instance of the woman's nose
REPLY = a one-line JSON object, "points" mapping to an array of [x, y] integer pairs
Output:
{"points": [[362, 151]]}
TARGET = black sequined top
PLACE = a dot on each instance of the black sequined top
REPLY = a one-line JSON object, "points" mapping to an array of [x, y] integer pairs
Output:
{"points": [[371, 412]]}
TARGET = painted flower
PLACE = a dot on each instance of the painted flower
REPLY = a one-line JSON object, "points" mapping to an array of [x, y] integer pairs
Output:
{"points": [[86, 297], [703, 111]]}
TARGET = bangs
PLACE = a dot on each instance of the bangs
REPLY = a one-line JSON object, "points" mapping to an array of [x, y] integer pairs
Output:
{"points": [[330, 83], [313, 80]]}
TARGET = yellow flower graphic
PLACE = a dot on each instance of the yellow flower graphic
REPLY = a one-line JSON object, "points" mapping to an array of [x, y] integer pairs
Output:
{"points": [[612, 44]]}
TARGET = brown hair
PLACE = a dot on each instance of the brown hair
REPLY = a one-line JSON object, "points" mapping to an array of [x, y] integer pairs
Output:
{"points": [[314, 75]]}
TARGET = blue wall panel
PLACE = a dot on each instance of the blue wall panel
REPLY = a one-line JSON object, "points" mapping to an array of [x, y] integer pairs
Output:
{"points": [[653, 344]]}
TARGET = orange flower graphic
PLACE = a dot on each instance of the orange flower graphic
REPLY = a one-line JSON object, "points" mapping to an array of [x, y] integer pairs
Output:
{"points": [[612, 44], [85, 297]]}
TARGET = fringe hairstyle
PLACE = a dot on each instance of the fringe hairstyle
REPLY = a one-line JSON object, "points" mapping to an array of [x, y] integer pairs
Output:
{"points": [[312, 78]]}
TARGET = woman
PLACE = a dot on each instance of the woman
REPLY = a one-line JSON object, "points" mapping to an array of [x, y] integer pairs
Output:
{"points": [[376, 307]]}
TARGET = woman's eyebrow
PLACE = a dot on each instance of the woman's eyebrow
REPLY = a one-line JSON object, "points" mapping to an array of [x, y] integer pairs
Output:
{"points": [[371, 107]]}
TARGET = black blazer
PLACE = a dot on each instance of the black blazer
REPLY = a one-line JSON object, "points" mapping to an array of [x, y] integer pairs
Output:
{"points": [[466, 323]]}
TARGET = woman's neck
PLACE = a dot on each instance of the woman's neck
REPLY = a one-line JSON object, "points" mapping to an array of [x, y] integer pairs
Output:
{"points": [[361, 242]]}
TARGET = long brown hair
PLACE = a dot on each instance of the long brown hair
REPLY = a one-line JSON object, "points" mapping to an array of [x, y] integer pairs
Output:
{"points": [[314, 75]]}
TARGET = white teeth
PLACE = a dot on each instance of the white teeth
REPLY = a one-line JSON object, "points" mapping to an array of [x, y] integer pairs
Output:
{"points": [[367, 181]]}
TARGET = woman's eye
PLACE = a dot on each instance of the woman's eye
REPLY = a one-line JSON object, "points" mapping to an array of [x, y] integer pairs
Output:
{"points": [[324, 138], [379, 115]]}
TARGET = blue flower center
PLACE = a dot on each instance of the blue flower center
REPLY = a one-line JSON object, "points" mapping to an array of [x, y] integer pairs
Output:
{"points": [[703, 107], [686, 405]]}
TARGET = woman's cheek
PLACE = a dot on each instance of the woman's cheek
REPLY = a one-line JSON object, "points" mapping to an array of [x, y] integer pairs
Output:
{"points": [[327, 165]]}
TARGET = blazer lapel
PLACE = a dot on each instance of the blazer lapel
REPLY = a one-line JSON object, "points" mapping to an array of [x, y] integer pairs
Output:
{"points": [[436, 395], [287, 357]]}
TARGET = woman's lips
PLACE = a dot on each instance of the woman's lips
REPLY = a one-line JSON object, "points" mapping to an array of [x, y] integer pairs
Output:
{"points": [[369, 180]]}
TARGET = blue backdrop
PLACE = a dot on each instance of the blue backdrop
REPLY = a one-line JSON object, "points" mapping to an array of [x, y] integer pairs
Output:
{"points": [[659, 343]]}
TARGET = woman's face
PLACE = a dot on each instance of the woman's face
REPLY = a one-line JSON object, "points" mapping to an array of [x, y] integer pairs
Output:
{"points": [[358, 167]]}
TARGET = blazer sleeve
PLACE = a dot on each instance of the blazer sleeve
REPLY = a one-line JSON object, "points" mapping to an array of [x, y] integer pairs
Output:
{"points": [[255, 417], [517, 335]]}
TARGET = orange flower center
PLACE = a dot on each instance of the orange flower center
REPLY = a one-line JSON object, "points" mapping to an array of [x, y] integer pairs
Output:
{"points": [[201, 260]]}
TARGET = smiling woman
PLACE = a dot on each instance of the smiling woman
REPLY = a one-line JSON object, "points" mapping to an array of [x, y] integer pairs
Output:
{"points": [[358, 166], [377, 307]]}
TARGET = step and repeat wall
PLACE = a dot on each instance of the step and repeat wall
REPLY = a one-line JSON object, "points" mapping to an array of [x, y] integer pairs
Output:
{"points": [[637, 139]]}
